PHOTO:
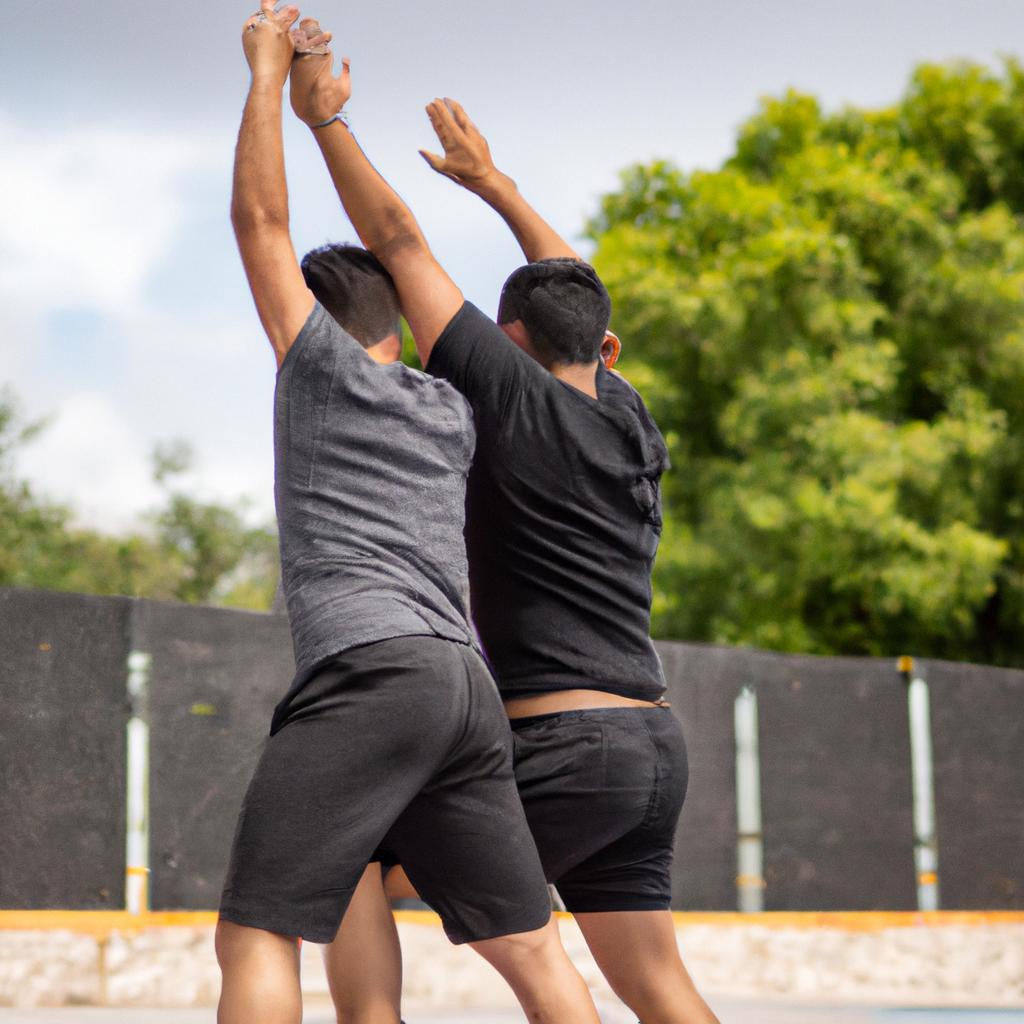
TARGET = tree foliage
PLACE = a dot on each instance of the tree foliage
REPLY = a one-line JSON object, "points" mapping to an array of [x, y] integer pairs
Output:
{"points": [[189, 551], [830, 330]]}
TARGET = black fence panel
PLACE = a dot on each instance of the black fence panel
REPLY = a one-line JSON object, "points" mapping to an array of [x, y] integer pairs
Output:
{"points": [[836, 784], [834, 738], [702, 685], [978, 740], [215, 678], [62, 750]]}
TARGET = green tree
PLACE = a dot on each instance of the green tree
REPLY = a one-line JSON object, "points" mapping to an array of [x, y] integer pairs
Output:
{"points": [[212, 556], [830, 330], [189, 551]]}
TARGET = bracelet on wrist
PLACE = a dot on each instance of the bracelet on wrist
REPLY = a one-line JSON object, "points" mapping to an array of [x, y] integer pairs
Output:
{"points": [[339, 116]]}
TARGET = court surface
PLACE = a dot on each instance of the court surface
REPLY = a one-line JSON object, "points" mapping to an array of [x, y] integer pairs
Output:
{"points": [[730, 1013]]}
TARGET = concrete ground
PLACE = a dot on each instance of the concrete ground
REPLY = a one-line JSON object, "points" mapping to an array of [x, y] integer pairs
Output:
{"points": [[729, 1012]]}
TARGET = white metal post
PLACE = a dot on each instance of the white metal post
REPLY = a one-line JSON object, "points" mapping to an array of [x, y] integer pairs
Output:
{"points": [[137, 841], [750, 841], [926, 847]]}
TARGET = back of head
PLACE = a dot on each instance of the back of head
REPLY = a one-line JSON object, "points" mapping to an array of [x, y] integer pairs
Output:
{"points": [[353, 286], [562, 304]]}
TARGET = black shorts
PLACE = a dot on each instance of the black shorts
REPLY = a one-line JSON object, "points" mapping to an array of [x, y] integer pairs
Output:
{"points": [[603, 790], [402, 742]]}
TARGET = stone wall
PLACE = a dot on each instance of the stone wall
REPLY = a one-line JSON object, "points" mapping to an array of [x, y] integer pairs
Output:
{"points": [[968, 964]]}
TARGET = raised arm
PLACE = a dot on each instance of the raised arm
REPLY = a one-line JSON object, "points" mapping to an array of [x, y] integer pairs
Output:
{"points": [[467, 161], [385, 225], [259, 197]]}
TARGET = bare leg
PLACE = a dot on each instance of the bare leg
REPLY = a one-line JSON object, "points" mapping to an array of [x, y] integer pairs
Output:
{"points": [[364, 962], [398, 886], [260, 976], [638, 953], [547, 985]]}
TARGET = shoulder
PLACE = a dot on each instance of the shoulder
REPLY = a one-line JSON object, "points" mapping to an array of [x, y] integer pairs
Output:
{"points": [[621, 394], [627, 402], [426, 389], [322, 339], [473, 337]]}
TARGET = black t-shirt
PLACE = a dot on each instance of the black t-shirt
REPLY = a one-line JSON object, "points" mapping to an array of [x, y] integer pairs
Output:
{"points": [[563, 518]]}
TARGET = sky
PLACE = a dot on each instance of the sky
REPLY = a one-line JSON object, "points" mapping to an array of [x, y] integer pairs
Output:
{"points": [[124, 315]]}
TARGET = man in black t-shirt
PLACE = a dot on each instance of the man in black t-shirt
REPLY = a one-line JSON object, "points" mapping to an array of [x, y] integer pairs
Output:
{"points": [[563, 524]]}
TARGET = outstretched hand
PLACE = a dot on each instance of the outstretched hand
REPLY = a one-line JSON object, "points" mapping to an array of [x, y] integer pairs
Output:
{"points": [[267, 42], [467, 157], [316, 93]]}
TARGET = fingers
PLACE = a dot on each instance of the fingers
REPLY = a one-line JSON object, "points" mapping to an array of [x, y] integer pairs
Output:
{"points": [[434, 120], [311, 40], [346, 72], [435, 161], [445, 128], [445, 116], [460, 115], [285, 17], [316, 44]]}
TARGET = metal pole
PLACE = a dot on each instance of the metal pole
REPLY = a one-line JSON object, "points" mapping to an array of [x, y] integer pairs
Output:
{"points": [[750, 842], [926, 847], [137, 842]]}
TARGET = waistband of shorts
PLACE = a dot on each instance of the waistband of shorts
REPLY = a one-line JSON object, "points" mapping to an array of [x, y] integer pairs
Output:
{"points": [[578, 714]]}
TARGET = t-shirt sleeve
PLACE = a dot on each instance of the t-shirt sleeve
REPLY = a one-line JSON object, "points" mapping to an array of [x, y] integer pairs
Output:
{"points": [[476, 355]]}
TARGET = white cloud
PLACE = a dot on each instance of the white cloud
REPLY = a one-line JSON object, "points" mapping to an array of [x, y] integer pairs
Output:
{"points": [[94, 457], [88, 452], [86, 220], [85, 214]]}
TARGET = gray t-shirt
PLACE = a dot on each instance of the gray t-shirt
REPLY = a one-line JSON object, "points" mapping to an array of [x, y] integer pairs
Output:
{"points": [[370, 466]]}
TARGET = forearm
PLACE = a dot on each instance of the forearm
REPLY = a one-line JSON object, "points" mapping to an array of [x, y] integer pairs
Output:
{"points": [[260, 193], [381, 219], [538, 239]]}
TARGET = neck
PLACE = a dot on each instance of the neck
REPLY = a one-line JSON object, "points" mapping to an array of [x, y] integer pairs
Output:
{"points": [[581, 376]]}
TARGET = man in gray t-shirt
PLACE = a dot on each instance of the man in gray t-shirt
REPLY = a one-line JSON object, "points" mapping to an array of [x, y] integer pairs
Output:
{"points": [[392, 733], [370, 479]]}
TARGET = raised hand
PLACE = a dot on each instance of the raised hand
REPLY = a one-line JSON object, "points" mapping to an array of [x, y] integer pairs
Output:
{"points": [[467, 157], [267, 42], [316, 93]]}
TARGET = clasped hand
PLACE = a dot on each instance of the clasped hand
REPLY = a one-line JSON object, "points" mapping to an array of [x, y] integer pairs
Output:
{"points": [[273, 48]]}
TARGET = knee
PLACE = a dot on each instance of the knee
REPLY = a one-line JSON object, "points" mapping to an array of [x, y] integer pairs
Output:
{"points": [[522, 946], [237, 944], [225, 942]]}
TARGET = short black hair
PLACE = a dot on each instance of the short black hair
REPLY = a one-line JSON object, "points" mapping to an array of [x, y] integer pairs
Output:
{"points": [[353, 286], [563, 306]]}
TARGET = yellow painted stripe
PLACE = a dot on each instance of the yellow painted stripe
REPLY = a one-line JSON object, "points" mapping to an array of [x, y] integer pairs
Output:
{"points": [[103, 922], [855, 920]]}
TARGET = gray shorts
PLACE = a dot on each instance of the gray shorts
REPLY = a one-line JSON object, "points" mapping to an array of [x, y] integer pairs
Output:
{"points": [[402, 743]]}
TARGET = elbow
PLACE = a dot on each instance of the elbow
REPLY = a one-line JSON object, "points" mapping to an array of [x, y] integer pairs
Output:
{"points": [[253, 218], [400, 237]]}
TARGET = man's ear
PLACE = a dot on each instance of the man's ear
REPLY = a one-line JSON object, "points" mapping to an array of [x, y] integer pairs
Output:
{"points": [[611, 347], [516, 330]]}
